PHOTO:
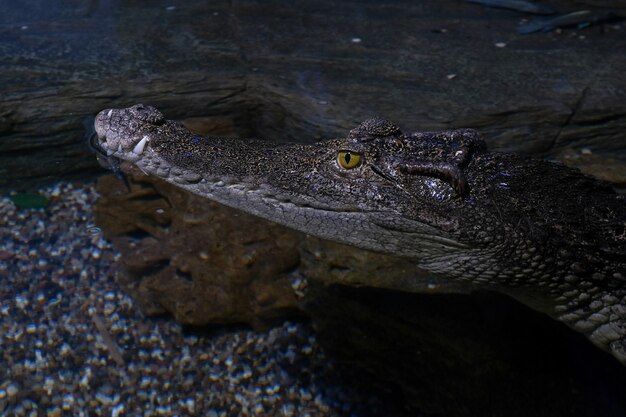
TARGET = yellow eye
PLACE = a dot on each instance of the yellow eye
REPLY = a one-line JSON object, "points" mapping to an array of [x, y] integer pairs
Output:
{"points": [[348, 159]]}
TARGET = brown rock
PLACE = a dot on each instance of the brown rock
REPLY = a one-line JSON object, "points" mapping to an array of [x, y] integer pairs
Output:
{"points": [[193, 258], [600, 166], [332, 263]]}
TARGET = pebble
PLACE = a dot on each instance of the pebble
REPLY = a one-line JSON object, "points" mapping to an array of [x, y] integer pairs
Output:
{"points": [[57, 280], [12, 390]]}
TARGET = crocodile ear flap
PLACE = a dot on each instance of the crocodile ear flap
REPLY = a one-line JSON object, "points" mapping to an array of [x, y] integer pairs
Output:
{"points": [[447, 172]]}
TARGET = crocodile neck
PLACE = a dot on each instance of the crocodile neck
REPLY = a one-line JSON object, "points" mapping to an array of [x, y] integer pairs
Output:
{"points": [[538, 231]]}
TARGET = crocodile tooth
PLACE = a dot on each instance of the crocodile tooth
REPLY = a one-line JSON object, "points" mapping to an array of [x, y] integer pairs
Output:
{"points": [[138, 149], [109, 113]]}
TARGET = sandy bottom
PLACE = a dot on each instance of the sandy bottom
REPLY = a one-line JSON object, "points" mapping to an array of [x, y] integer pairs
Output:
{"points": [[73, 343]]}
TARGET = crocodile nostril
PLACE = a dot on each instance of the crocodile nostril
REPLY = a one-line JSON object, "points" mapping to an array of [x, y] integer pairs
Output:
{"points": [[147, 114]]}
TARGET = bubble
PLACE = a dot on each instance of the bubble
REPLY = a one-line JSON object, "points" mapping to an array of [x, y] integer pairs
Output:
{"points": [[94, 230]]}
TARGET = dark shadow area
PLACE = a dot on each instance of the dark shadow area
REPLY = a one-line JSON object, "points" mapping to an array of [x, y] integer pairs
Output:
{"points": [[478, 355]]}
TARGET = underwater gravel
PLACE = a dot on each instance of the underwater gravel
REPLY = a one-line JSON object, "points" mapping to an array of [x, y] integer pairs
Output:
{"points": [[72, 343]]}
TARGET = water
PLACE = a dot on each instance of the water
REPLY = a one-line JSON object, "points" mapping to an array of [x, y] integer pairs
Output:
{"points": [[72, 339]]}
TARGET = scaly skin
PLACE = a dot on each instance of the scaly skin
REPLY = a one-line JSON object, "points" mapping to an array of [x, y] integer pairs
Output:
{"points": [[541, 232]]}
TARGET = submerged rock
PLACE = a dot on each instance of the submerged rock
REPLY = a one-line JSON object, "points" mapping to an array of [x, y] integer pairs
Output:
{"points": [[193, 258]]}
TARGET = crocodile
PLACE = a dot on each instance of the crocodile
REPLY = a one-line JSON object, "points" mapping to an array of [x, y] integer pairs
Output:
{"points": [[536, 230]]}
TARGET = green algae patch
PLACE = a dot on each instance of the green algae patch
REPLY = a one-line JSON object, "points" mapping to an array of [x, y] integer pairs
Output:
{"points": [[29, 201]]}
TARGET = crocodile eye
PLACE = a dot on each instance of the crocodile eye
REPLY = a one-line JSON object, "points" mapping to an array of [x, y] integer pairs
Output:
{"points": [[348, 159]]}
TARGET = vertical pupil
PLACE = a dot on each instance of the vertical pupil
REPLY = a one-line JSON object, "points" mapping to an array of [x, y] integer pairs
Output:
{"points": [[347, 157]]}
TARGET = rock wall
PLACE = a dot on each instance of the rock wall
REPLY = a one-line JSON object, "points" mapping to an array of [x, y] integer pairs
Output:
{"points": [[302, 71]]}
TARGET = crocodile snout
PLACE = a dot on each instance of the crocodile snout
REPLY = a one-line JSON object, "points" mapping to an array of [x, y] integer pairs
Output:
{"points": [[125, 132]]}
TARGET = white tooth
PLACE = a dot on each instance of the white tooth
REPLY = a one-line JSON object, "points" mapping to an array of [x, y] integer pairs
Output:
{"points": [[109, 113], [119, 147], [138, 149]]}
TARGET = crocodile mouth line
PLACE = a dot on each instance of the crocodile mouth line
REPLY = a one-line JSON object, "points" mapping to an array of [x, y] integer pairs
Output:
{"points": [[91, 137]]}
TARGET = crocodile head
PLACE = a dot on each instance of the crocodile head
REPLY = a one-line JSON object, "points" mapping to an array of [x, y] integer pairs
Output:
{"points": [[536, 230], [376, 188]]}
